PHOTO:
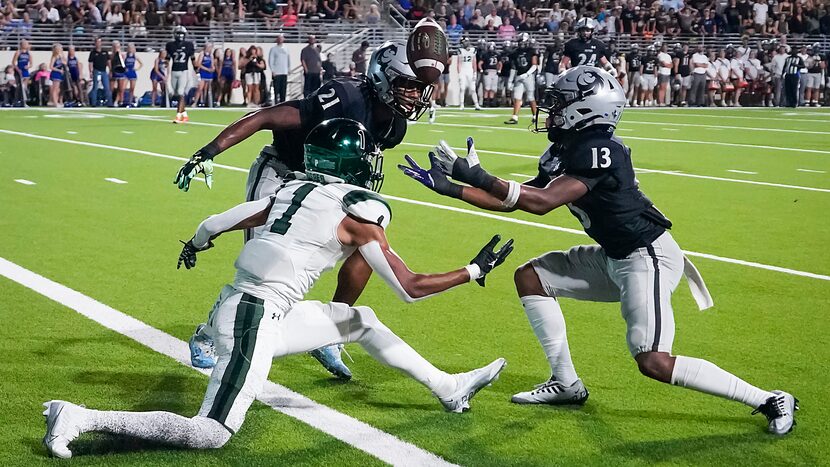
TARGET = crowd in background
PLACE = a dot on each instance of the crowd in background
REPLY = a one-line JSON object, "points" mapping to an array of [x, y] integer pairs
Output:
{"points": [[503, 19], [107, 76], [137, 16]]}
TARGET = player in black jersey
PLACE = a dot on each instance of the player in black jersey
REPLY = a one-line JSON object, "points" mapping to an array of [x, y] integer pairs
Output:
{"points": [[585, 50], [634, 63], [524, 63], [553, 56], [505, 68], [488, 67], [682, 63], [648, 77], [382, 101], [636, 263], [181, 53]]}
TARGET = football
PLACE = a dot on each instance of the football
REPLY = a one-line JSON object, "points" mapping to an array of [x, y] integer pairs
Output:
{"points": [[427, 50]]}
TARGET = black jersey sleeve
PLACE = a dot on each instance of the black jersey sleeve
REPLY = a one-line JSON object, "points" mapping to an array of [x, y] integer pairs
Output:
{"points": [[595, 160], [170, 47], [189, 49], [571, 51]]}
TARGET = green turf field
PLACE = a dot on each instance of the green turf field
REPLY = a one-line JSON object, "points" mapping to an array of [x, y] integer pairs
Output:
{"points": [[118, 244]]}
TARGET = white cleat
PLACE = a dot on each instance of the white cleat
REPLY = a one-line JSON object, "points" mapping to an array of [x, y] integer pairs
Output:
{"points": [[553, 392], [468, 384], [62, 427], [432, 115], [780, 412]]}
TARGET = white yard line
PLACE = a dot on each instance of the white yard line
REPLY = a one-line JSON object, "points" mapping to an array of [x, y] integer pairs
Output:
{"points": [[23, 181], [742, 172], [737, 117], [127, 132], [117, 181], [488, 215], [722, 127], [351, 431], [812, 171]]}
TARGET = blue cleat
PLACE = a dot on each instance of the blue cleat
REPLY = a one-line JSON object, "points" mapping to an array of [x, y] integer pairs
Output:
{"points": [[202, 354], [331, 359]]}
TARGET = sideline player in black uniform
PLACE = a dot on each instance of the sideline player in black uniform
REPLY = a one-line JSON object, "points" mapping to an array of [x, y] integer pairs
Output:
{"points": [[505, 68], [682, 62], [488, 65], [524, 62], [180, 52], [636, 263], [648, 77], [382, 101], [553, 56], [633, 63], [585, 50]]}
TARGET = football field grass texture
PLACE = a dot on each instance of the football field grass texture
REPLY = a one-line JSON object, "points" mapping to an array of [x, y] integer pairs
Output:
{"points": [[748, 192]]}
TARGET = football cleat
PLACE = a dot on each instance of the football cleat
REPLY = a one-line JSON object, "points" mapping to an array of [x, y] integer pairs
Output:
{"points": [[780, 412], [202, 351], [553, 392], [513, 120], [332, 360], [432, 115], [468, 384], [62, 427]]}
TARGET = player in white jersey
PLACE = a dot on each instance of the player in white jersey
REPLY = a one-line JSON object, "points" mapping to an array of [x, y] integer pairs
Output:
{"points": [[301, 231], [467, 65]]}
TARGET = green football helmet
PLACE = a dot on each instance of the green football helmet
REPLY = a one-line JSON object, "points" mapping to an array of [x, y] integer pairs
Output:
{"points": [[341, 150]]}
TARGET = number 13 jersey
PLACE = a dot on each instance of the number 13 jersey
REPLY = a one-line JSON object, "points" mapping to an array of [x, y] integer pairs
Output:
{"points": [[299, 240], [614, 212]]}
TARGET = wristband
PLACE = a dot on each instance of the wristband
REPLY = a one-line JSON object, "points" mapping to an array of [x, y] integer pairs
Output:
{"points": [[513, 192], [210, 151], [474, 271]]}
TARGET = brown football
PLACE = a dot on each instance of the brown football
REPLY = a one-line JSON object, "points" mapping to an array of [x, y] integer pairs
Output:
{"points": [[426, 50]]}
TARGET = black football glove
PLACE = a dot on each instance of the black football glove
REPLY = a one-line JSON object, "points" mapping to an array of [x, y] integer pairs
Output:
{"points": [[487, 259], [463, 169], [201, 162], [188, 254], [434, 178]]}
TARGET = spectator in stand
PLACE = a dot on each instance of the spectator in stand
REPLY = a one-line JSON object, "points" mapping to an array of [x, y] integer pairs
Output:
{"points": [[151, 18], [279, 61], [137, 28], [169, 18], [289, 18], [454, 31], [268, 13], [330, 8], [707, 25], [8, 87], [329, 69], [189, 18], [115, 18], [492, 22], [99, 64], [476, 22], [359, 58], [52, 15], [373, 16], [630, 18], [506, 31], [312, 66]]}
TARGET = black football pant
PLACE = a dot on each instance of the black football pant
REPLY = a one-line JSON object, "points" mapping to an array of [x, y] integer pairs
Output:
{"points": [[791, 90]]}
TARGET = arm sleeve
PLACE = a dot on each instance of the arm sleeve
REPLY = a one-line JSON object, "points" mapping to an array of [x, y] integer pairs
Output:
{"points": [[373, 255], [219, 223]]}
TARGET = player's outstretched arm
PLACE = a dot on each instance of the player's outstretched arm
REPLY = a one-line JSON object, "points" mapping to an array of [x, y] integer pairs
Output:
{"points": [[243, 216], [370, 239], [352, 279], [279, 117], [485, 190]]}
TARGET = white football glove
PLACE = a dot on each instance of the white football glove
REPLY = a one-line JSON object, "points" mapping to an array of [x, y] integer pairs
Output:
{"points": [[445, 157]]}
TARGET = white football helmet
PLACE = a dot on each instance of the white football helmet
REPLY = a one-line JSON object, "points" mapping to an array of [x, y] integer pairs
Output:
{"points": [[524, 40], [581, 97], [585, 28], [395, 82], [179, 33]]}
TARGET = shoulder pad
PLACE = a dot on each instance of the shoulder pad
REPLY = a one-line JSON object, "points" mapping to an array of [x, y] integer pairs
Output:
{"points": [[369, 206]]}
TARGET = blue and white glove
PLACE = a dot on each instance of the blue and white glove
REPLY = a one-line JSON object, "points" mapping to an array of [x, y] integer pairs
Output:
{"points": [[432, 178], [463, 169]]}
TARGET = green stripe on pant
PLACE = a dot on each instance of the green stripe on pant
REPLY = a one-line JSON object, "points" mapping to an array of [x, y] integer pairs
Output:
{"points": [[248, 315]]}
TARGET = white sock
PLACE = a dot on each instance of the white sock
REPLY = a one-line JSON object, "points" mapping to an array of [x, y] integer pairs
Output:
{"points": [[178, 115], [162, 427], [703, 376], [389, 349], [184, 114], [548, 324], [515, 117]]}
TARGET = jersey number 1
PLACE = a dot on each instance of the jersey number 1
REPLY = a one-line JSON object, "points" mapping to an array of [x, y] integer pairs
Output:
{"points": [[282, 224], [605, 154]]}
